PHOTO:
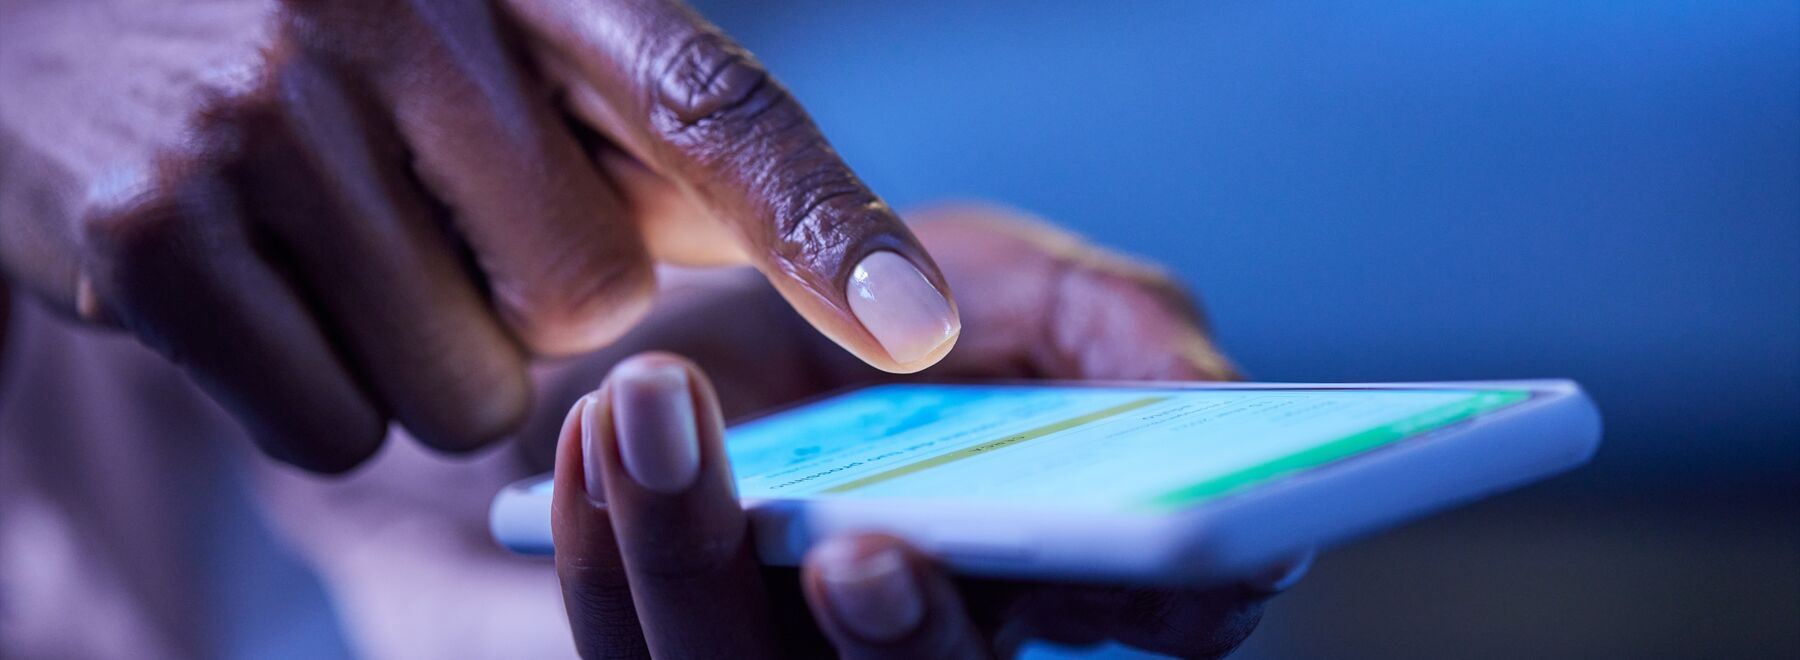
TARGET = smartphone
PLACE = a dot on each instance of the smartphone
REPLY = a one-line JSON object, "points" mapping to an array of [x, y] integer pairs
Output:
{"points": [[1125, 483]]}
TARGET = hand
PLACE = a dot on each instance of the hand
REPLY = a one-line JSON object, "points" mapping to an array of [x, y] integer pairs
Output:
{"points": [[653, 549], [655, 559], [334, 213], [404, 545], [1037, 303]]}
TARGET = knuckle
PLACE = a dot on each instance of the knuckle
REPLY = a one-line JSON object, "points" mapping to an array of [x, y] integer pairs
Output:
{"points": [[592, 576], [721, 111], [601, 609], [822, 206], [139, 241], [587, 304], [177, 198], [708, 79], [817, 212], [588, 278], [123, 223], [176, 217]]}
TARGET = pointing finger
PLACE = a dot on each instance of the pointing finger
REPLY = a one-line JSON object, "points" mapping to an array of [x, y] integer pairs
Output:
{"points": [[701, 112]]}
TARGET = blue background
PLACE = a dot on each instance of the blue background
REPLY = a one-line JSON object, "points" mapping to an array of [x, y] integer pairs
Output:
{"points": [[1608, 191], [1603, 190]]}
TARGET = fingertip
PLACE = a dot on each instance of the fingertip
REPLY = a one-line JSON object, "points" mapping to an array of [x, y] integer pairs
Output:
{"points": [[914, 322], [578, 494], [926, 361], [875, 596], [650, 361], [866, 586], [576, 433], [659, 361], [657, 430], [656, 422]]}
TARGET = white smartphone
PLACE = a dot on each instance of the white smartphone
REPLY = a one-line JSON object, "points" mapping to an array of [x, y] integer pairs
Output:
{"points": [[1129, 482]]}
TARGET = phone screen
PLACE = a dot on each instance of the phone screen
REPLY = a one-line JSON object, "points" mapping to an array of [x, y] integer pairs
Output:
{"points": [[1090, 448]]}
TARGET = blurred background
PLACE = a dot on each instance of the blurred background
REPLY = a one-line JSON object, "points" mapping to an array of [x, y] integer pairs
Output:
{"points": [[1606, 191]]}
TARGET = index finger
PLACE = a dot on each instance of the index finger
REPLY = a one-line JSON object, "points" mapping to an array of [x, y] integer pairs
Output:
{"points": [[700, 111]]}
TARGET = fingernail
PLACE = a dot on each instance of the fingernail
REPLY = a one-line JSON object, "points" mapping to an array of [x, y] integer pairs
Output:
{"points": [[1286, 575], [875, 596], [900, 307], [590, 458], [653, 413]]}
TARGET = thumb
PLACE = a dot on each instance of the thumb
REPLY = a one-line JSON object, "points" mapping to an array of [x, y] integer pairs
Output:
{"points": [[700, 112], [875, 598]]}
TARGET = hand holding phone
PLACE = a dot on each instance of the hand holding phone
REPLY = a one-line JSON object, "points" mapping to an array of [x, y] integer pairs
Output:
{"points": [[656, 557], [1195, 483]]}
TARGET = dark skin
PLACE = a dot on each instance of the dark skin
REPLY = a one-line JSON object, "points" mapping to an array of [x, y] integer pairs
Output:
{"points": [[340, 213], [650, 573], [1039, 304], [337, 214], [647, 573]]}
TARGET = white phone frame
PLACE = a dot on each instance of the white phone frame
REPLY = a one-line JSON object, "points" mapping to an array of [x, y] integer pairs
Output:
{"points": [[1214, 541]]}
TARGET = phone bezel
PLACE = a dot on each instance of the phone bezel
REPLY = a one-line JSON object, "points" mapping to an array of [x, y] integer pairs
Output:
{"points": [[1215, 539]]}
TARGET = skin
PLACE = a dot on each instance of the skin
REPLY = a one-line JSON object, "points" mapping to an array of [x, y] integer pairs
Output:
{"points": [[1031, 296], [339, 213], [672, 575]]}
